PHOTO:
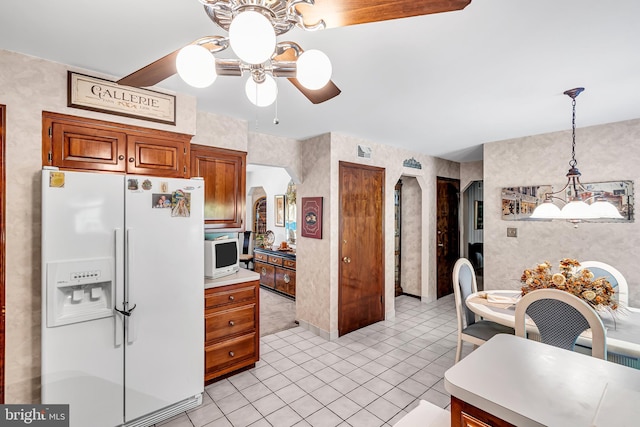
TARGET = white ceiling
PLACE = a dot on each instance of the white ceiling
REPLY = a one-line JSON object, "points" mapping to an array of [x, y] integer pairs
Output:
{"points": [[438, 84]]}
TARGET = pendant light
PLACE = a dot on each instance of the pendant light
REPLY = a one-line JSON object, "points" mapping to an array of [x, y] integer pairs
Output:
{"points": [[575, 209]]}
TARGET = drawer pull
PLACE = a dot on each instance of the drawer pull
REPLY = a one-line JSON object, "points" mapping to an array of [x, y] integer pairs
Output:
{"points": [[231, 354], [231, 323], [287, 279], [231, 298]]}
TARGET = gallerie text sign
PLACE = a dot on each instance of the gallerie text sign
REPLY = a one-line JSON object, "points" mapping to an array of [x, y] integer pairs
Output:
{"points": [[91, 93]]}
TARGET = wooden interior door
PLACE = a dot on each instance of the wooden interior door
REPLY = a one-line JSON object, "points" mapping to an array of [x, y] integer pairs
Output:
{"points": [[447, 234], [361, 272], [3, 193]]}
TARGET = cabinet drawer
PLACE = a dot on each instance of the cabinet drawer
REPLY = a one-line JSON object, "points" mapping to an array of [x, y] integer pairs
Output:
{"points": [[214, 298], [261, 257], [289, 263], [286, 281], [230, 322], [276, 260], [267, 273], [221, 355]]}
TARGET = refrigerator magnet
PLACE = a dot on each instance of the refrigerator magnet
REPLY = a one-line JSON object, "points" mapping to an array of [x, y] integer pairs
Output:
{"points": [[146, 184], [180, 204], [161, 201], [56, 179], [164, 187], [132, 184]]}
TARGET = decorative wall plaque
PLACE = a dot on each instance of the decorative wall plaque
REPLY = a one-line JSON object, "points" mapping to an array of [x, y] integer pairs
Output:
{"points": [[91, 93]]}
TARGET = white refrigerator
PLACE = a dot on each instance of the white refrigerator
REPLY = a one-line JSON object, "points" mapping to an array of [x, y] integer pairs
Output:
{"points": [[122, 296]]}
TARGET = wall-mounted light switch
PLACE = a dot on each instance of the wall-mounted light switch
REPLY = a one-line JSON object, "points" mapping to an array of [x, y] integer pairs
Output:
{"points": [[512, 232]]}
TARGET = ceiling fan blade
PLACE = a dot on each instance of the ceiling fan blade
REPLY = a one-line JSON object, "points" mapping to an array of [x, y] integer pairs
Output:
{"points": [[330, 90], [341, 13], [153, 73]]}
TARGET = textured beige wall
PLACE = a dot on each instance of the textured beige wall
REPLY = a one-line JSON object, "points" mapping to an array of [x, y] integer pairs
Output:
{"points": [[221, 131], [469, 172], [270, 150], [605, 153], [314, 293]]}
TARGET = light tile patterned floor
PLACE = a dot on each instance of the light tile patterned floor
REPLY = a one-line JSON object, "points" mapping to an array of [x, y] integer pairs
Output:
{"points": [[368, 378]]}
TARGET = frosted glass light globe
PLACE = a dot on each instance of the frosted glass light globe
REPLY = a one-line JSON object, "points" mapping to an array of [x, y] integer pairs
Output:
{"points": [[313, 69], [252, 37], [196, 66], [261, 94]]}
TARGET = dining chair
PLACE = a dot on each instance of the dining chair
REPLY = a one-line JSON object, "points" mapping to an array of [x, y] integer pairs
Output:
{"points": [[246, 249], [471, 329], [617, 280], [560, 318]]}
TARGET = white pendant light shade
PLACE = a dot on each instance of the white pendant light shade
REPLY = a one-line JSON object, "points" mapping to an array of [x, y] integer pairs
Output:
{"points": [[252, 37], [546, 210], [196, 66], [313, 69], [602, 209], [261, 94], [577, 209]]}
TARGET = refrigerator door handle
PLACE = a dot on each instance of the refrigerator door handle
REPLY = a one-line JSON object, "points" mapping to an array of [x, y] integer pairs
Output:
{"points": [[130, 324], [118, 288]]}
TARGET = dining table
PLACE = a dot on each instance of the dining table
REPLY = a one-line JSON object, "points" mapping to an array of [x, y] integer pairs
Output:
{"points": [[622, 326]]}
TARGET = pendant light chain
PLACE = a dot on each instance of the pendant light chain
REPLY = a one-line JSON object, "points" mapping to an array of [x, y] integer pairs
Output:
{"points": [[573, 163]]}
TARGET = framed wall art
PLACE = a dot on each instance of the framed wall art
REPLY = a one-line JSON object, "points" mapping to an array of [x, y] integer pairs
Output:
{"points": [[279, 210], [312, 217]]}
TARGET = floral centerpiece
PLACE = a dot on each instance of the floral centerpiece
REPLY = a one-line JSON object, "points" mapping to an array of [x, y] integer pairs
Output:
{"points": [[598, 292]]}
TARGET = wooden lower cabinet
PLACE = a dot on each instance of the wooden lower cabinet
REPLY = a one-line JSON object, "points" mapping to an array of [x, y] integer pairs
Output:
{"points": [[277, 270], [466, 415], [232, 328]]}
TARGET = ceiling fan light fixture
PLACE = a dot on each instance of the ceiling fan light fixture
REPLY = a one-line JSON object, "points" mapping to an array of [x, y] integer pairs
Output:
{"points": [[252, 37], [261, 94], [196, 66], [314, 69]]}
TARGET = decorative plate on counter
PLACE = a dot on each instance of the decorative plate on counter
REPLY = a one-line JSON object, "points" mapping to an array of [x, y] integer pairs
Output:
{"points": [[269, 238]]}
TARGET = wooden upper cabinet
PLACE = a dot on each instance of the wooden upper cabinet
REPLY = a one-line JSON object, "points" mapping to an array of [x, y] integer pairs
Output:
{"points": [[154, 156], [70, 142], [224, 173]]}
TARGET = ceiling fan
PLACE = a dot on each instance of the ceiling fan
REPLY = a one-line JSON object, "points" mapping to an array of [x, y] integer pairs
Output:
{"points": [[252, 27]]}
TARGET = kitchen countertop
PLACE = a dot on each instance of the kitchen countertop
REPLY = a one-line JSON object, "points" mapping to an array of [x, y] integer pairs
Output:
{"points": [[241, 276], [531, 384]]}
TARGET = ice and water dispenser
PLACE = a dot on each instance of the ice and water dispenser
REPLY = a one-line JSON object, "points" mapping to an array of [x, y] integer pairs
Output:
{"points": [[79, 290]]}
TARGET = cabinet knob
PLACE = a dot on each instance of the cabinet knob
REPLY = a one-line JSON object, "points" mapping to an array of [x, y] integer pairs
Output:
{"points": [[121, 157], [264, 271], [131, 159], [231, 354], [231, 298], [287, 279], [231, 323]]}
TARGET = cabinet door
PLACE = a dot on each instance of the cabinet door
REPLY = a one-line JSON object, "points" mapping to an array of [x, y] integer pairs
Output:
{"points": [[224, 173], [73, 146], [286, 281], [267, 274], [157, 157]]}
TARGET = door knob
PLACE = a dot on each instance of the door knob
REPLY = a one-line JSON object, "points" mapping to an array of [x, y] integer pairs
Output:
{"points": [[346, 260]]}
